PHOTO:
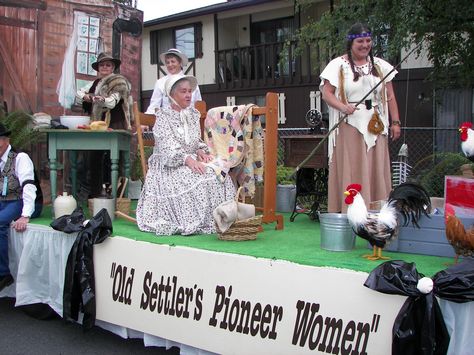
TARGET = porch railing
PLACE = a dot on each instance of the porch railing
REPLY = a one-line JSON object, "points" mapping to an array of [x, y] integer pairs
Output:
{"points": [[265, 65]]}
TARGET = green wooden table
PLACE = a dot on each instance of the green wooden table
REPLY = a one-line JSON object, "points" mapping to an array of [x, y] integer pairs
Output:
{"points": [[115, 141]]}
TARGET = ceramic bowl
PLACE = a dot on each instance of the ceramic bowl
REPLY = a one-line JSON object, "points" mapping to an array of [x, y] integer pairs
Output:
{"points": [[72, 122]]}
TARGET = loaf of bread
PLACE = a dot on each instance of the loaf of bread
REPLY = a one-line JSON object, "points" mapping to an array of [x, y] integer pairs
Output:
{"points": [[98, 126]]}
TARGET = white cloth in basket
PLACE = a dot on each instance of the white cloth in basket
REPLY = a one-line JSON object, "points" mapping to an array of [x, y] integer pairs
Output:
{"points": [[225, 214], [245, 210], [230, 211]]}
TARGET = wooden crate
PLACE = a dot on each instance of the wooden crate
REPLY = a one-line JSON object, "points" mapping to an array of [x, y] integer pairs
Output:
{"points": [[429, 239]]}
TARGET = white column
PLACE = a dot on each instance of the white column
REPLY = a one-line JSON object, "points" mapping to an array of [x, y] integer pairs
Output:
{"points": [[230, 100], [281, 109], [315, 100]]}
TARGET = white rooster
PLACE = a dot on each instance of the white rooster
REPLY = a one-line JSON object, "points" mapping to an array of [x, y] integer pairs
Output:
{"points": [[467, 140], [408, 199]]}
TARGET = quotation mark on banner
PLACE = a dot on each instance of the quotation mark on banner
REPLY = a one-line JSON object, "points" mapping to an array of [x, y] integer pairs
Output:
{"points": [[123, 283], [375, 323]]}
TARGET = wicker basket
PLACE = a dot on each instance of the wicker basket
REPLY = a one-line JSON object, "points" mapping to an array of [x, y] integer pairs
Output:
{"points": [[245, 229], [123, 203]]}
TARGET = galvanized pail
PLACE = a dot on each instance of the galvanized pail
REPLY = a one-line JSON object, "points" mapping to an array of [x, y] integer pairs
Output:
{"points": [[336, 232], [285, 198], [107, 203]]}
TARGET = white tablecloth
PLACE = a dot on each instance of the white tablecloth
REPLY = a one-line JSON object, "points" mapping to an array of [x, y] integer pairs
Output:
{"points": [[37, 260]]}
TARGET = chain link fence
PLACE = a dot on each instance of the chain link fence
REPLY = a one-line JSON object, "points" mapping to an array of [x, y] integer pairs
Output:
{"points": [[432, 154]]}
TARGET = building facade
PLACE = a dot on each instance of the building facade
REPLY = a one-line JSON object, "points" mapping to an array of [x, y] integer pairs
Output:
{"points": [[237, 52]]}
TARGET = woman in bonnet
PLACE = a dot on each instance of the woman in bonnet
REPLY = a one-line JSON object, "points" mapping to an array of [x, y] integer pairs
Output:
{"points": [[180, 191]]}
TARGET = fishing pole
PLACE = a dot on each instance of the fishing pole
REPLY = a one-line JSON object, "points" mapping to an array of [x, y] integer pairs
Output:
{"points": [[310, 155]]}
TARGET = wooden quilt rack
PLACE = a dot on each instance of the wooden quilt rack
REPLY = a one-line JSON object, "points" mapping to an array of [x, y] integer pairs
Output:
{"points": [[270, 111]]}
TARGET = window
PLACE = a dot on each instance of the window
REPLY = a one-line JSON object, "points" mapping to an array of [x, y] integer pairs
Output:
{"points": [[88, 42], [272, 31], [184, 40], [187, 39]]}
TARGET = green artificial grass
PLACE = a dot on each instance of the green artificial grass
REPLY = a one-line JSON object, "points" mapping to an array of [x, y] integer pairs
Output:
{"points": [[298, 242]]}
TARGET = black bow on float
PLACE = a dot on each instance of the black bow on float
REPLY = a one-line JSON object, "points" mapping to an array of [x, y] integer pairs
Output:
{"points": [[419, 327]]}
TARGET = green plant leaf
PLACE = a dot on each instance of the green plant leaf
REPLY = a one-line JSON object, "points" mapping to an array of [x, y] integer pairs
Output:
{"points": [[20, 124]]}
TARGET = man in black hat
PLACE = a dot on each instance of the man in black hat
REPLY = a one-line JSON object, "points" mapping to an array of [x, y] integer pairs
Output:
{"points": [[17, 197]]}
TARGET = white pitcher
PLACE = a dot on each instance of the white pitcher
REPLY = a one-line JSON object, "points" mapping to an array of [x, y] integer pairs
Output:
{"points": [[64, 204]]}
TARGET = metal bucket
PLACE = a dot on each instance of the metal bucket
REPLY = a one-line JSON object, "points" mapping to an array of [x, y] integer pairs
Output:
{"points": [[285, 198], [336, 232], [107, 203]]}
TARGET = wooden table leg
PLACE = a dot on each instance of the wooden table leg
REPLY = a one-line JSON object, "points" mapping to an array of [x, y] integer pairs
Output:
{"points": [[73, 162], [126, 167], [114, 175], [53, 176]]}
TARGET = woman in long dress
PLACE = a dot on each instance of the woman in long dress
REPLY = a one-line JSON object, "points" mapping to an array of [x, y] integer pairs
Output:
{"points": [[180, 191], [358, 148]]}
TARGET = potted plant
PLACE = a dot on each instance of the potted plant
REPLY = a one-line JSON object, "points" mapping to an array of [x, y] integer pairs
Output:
{"points": [[136, 174], [286, 189], [20, 124]]}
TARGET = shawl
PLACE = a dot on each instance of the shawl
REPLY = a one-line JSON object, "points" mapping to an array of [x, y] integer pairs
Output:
{"points": [[114, 83], [235, 138]]}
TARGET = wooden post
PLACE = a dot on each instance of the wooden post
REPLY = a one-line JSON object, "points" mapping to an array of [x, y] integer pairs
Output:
{"points": [[271, 151], [201, 107], [270, 159]]}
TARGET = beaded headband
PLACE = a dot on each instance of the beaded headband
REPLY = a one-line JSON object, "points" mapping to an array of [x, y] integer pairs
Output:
{"points": [[363, 34]]}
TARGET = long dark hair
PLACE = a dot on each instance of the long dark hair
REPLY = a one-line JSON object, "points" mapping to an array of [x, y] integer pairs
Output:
{"points": [[357, 29]]}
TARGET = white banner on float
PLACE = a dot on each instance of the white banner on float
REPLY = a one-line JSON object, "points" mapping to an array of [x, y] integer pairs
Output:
{"points": [[234, 304]]}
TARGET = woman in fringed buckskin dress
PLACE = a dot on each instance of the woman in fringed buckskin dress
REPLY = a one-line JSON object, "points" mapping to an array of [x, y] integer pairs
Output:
{"points": [[358, 148], [180, 191]]}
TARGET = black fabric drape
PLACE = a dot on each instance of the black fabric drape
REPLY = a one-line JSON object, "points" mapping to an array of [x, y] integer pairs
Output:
{"points": [[70, 223], [79, 282], [419, 327]]}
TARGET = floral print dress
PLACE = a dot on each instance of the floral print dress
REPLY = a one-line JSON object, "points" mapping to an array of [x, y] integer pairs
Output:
{"points": [[174, 199]]}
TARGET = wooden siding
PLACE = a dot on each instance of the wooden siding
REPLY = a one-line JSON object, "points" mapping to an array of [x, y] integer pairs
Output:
{"points": [[33, 43], [18, 56]]}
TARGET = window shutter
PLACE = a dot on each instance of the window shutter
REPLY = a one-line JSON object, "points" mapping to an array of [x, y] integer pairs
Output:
{"points": [[154, 54], [160, 42], [198, 40]]}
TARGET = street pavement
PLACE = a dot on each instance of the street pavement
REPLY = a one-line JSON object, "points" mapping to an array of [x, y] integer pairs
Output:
{"points": [[23, 335]]}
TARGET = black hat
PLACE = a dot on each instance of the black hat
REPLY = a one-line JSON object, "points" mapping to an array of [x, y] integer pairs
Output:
{"points": [[105, 57], [3, 131]]}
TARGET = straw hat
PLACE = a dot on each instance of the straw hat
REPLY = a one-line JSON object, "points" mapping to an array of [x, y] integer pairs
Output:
{"points": [[105, 57], [177, 53], [173, 79]]}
